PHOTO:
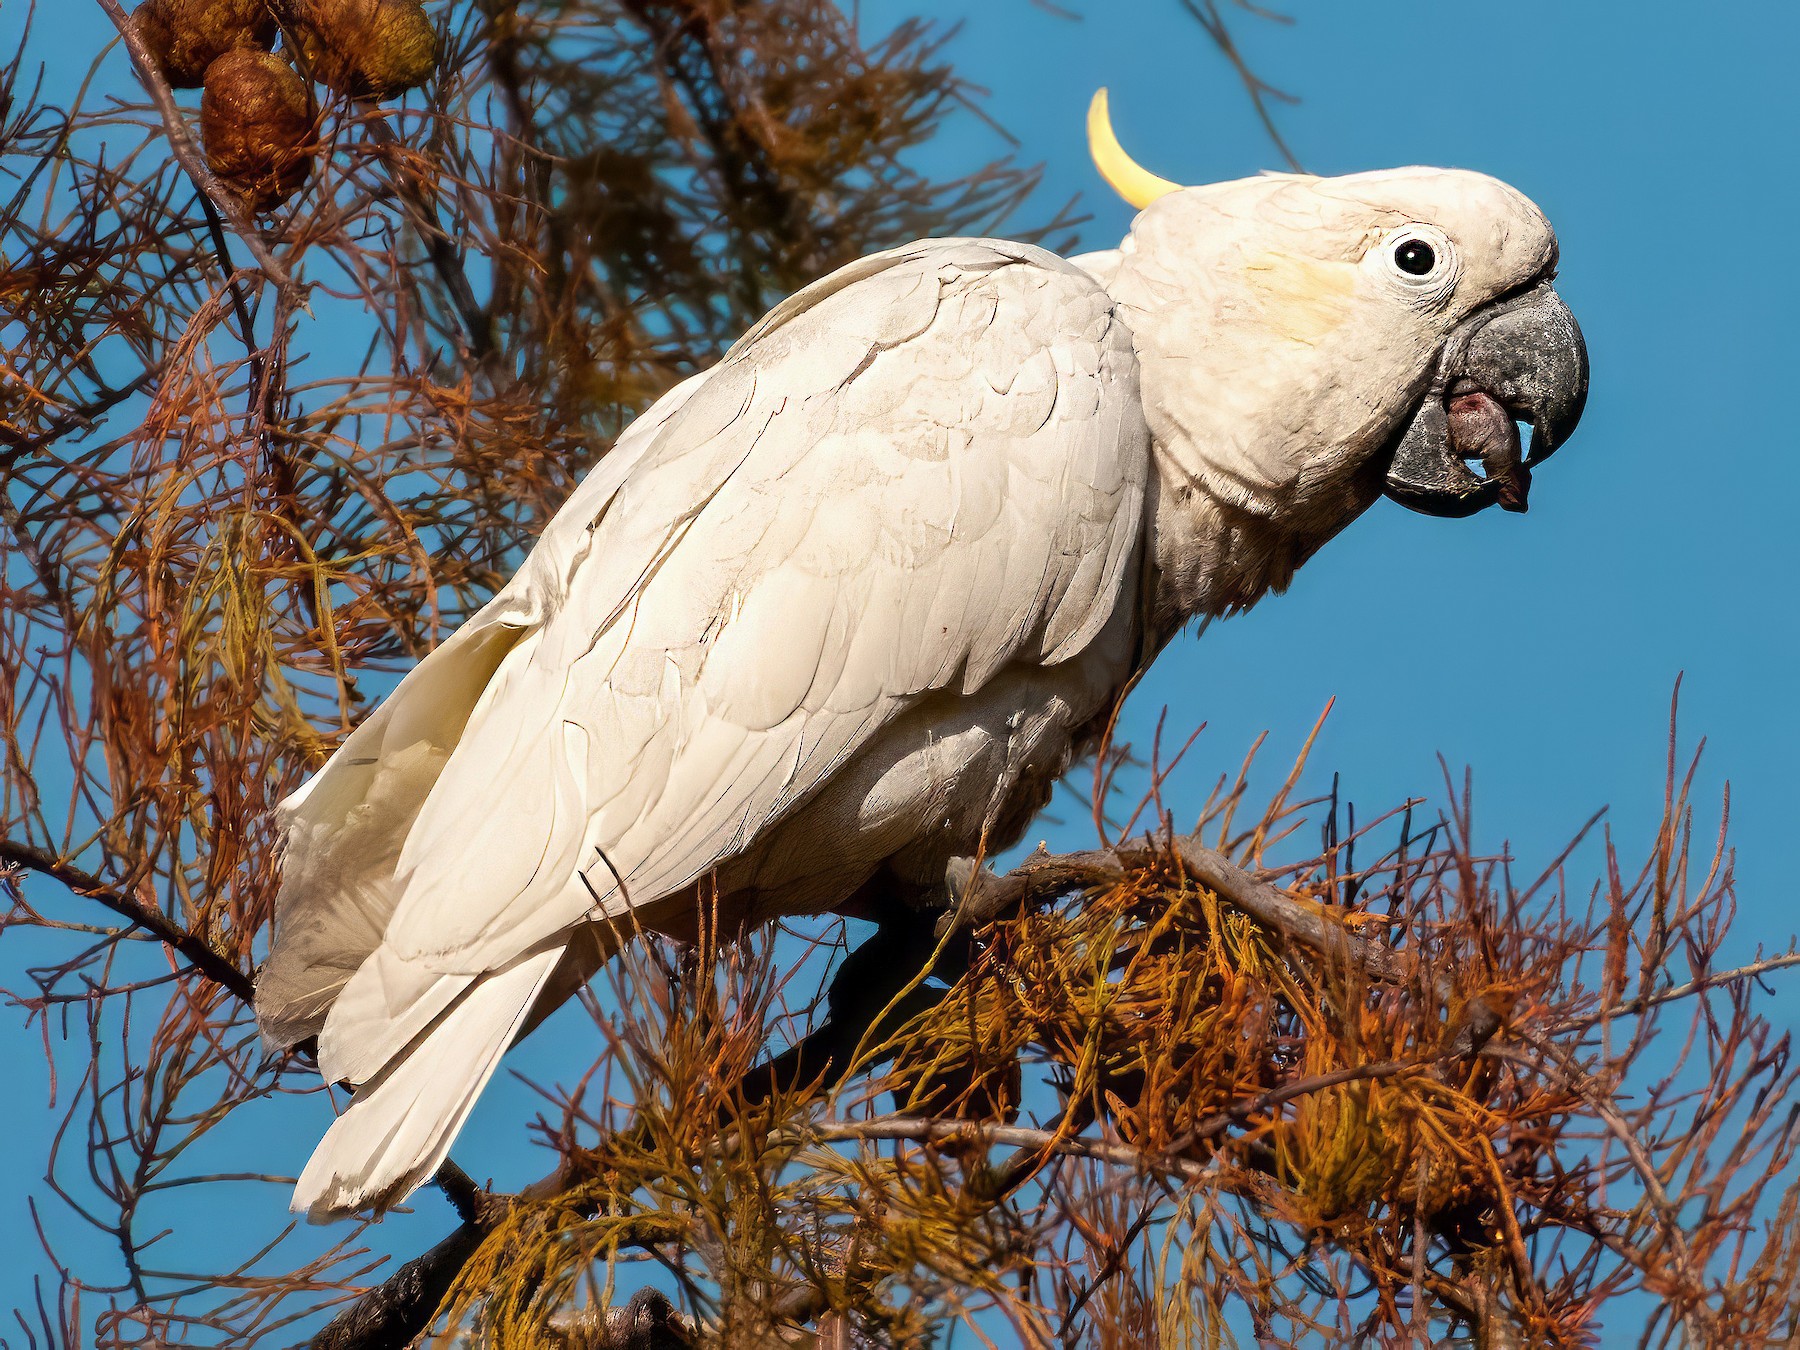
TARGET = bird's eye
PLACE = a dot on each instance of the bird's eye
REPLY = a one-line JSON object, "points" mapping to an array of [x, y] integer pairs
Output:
{"points": [[1415, 257]]}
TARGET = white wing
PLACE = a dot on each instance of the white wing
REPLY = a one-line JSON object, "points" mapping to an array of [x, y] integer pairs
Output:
{"points": [[922, 470], [345, 827]]}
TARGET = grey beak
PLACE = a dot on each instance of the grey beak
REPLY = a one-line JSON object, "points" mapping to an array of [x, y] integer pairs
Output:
{"points": [[1523, 355]]}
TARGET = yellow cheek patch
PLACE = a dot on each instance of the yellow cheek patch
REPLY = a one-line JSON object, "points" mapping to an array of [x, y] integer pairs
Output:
{"points": [[1303, 299]]}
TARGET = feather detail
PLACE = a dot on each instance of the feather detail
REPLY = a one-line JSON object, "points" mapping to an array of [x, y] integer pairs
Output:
{"points": [[345, 830], [913, 496], [398, 1129]]}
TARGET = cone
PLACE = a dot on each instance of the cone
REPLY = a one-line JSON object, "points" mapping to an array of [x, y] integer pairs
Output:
{"points": [[256, 120], [187, 36]]}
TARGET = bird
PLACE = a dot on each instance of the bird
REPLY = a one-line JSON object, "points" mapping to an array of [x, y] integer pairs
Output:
{"points": [[834, 614]]}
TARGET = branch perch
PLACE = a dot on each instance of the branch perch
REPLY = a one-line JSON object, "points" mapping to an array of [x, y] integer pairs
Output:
{"points": [[153, 921], [1303, 922]]}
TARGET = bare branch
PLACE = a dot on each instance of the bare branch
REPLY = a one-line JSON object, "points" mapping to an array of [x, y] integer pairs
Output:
{"points": [[203, 958]]}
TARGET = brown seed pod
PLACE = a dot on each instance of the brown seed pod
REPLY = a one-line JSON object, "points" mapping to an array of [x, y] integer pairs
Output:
{"points": [[256, 120], [366, 48], [187, 36]]}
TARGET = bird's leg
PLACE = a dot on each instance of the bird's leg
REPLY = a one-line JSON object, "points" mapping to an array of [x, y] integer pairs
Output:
{"points": [[887, 974]]}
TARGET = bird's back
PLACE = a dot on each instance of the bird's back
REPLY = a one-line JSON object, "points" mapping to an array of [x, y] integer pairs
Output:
{"points": [[843, 602]]}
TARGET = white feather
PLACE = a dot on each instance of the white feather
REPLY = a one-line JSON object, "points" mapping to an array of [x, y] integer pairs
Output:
{"points": [[399, 1127], [908, 481]]}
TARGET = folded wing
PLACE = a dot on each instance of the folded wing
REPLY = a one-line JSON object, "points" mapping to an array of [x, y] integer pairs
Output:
{"points": [[924, 469]]}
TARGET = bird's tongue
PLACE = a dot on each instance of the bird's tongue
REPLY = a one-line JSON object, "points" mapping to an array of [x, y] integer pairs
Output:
{"points": [[1480, 429]]}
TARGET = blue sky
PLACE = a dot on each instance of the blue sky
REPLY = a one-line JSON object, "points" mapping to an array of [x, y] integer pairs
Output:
{"points": [[1541, 650]]}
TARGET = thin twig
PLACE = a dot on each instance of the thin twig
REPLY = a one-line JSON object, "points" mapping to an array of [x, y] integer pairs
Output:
{"points": [[1206, 14], [1644, 1002], [446, 256], [74, 419]]}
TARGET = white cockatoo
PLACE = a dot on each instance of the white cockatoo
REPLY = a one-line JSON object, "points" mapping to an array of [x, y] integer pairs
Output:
{"points": [[838, 611]]}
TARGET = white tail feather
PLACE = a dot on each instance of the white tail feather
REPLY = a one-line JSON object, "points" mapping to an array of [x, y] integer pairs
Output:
{"points": [[381, 1013], [345, 828], [400, 1126]]}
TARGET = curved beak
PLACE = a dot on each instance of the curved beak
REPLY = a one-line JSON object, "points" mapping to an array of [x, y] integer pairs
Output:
{"points": [[1521, 359]]}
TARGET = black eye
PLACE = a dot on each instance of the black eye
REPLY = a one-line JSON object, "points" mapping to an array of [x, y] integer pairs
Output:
{"points": [[1415, 257]]}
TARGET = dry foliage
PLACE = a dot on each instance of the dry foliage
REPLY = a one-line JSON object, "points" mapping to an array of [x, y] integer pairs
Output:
{"points": [[252, 467], [1232, 1135]]}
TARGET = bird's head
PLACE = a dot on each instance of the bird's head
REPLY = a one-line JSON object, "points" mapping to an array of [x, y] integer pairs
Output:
{"points": [[1308, 344]]}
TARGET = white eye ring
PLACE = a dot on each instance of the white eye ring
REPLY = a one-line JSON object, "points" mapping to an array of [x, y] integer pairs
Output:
{"points": [[1419, 257]]}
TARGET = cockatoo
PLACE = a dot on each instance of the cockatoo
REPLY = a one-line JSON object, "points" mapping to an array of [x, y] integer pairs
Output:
{"points": [[837, 612]]}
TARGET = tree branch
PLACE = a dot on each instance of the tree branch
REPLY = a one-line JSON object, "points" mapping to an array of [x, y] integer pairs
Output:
{"points": [[187, 154], [391, 1316], [1304, 922], [935, 1130], [204, 959], [865, 985]]}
